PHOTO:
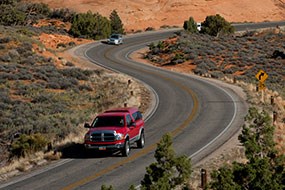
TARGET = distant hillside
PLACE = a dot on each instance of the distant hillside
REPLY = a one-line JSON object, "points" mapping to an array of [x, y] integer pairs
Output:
{"points": [[138, 15]]}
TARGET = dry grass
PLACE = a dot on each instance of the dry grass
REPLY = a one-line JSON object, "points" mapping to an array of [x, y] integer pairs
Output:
{"points": [[137, 94]]}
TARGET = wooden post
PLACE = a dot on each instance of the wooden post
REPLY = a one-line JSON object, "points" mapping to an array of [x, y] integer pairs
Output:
{"points": [[272, 100], [203, 178], [274, 116]]}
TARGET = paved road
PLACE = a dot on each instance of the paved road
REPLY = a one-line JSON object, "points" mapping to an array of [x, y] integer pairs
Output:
{"points": [[200, 114]]}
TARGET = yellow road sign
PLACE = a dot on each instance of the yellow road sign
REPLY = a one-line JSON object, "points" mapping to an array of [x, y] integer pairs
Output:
{"points": [[261, 76]]}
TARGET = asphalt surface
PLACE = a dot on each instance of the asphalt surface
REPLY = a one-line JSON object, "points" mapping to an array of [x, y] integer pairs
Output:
{"points": [[201, 115]]}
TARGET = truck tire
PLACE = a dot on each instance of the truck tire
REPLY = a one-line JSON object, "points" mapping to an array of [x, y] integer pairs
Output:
{"points": [[126, 149], [141, 141]]}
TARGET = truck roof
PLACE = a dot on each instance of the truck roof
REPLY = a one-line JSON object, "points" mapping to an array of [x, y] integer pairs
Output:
{"points": [[113, 114], [124, 109]]}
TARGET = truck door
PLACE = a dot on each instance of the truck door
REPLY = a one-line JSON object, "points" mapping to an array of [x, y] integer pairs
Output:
{"points": [[131, 127]]}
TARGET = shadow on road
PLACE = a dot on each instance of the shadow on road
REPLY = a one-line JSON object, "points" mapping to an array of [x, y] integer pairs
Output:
{"points": [[78, 151]]}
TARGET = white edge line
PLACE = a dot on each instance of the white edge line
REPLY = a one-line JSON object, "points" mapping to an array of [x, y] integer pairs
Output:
{"points": [[154, 95], [210, 83]]}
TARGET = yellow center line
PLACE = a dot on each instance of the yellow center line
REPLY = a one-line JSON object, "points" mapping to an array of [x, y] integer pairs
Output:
{"points": [[147, 149]]}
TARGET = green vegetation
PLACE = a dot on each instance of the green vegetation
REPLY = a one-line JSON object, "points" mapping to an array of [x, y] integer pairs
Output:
{"points": [[89, 25], [116, 23], [241, 56], [213, 25], [190, 25], [216, 25], [41, 103], [86, 25], [9, 15], [265, 168], [27, 144], [95, 26], [66, 15], [39, 98], [104, 187], [169, 171]]}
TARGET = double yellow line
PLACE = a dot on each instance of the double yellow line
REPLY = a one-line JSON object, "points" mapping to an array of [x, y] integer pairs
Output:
{"points": [[150, 148]]}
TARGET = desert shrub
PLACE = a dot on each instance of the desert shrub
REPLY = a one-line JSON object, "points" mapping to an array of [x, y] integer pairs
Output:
{"points": [[71, 44], [74, 73], [199, 71], [149, 28], [69, 64], [65, 14], [217, 74], [14, 54], [85, 87], [5, 58], [65, 84], [2, 46], [178, 58], [9, 76], [5, 40], [40, 76], [190, 56], [42, 98], [190, 25], [59, 45], [30, 60], [164, 26], [215, 25], [90, 25], [53, 30], [207, 65], [53, 85], [4, 96], [24, 75], [27, 144], [10, 16], [25, 31]]}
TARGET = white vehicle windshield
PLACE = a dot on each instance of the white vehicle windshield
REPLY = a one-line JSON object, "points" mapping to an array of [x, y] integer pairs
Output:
{"points": [[116, 36]]}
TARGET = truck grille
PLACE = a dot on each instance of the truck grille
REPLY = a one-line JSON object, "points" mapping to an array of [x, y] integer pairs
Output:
{"points": [[103, 136]]}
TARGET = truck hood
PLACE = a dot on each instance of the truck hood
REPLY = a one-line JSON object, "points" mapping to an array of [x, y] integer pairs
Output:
{"points": [[98, 129]]}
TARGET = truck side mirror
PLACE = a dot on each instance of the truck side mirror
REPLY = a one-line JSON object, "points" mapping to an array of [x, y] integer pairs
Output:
{"points": [[87, 125], [133, 124]]}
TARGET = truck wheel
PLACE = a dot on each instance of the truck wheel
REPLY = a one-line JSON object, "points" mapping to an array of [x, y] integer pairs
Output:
{"points": [[126, 149], [141, 141]]}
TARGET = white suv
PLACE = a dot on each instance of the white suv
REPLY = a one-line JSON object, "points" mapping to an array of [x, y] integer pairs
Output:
{"points": [[199, 26], [115, 39]]}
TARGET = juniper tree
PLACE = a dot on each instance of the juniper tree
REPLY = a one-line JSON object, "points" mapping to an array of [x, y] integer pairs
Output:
{"points": [[190, 25], [215, 25], [116, 23], [265, 168], [169, 171]]}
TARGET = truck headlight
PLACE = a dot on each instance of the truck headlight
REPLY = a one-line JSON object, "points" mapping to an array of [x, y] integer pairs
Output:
{"points": [[119, 136]]}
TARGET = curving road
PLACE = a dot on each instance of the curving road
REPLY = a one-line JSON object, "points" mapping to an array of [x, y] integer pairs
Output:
{"points": [[201, 114]]}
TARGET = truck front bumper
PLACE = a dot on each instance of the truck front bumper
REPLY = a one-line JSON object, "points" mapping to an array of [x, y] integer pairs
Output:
{"points": [[104, 147]]}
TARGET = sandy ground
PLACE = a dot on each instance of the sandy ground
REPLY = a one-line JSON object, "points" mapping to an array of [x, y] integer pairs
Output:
{"points": [[140, 14]]}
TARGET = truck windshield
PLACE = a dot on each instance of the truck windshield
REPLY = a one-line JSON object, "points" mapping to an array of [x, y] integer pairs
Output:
{"points": [[106, 121]]}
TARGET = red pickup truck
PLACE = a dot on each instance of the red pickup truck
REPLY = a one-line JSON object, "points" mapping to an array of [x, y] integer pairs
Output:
{"points": [[116, 129]]}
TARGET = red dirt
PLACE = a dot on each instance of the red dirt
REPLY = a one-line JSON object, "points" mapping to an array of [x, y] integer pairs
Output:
{"points": [[138, 15]]}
